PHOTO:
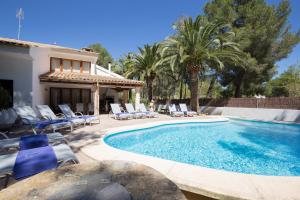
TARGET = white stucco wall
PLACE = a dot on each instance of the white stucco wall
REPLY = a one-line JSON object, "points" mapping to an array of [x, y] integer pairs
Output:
{"points": [[25, 65], [41, 65], [16, 65], [286, 115]]}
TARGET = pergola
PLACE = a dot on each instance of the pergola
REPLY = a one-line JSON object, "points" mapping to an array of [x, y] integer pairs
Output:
{"points": [[96, 82]]}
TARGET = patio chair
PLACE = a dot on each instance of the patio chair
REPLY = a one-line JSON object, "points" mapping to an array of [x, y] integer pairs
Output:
{"points": [[118, 114], [47, 113], [130, 109], [13, 143], [174, 112], [63, 153], [29, 117], [159, 107], [148, 113], [185, 110], [164, 108], [71, 115]]}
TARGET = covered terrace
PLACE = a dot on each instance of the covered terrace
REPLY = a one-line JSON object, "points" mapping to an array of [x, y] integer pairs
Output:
{"points": [[94, 91]]}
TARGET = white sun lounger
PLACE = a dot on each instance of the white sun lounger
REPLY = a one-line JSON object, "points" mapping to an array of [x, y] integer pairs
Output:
{"points": [[148, 113], [159, 108], [130, 109], [13, 143], [118, 114], [185, 110], [174, 112], [47, 113], [63, 153], [29, 117], [71, 115]]}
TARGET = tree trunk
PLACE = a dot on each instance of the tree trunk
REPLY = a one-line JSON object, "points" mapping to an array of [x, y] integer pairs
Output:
{"points": [[211, 87], [181, 89], [150, 88], [194, 89], [238, 85], [184, 91], [237, 92]]}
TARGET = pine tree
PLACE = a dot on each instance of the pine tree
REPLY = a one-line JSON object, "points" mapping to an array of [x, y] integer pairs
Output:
{"points": [[263, 33]]}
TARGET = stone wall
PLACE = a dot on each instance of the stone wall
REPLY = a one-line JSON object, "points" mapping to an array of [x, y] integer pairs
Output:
{"points": [[285, 115]]}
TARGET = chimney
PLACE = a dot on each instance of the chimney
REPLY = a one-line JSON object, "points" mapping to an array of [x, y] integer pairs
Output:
{"points": [[109, 66], [86, 49]]}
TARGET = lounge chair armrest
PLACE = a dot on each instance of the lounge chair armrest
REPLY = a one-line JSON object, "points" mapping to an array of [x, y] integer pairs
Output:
{"points": [[78, 113], [46, 118], [60, 115]]}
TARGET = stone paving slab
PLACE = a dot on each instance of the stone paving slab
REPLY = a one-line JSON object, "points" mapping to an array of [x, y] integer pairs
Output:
{"points": [[88, 181]]}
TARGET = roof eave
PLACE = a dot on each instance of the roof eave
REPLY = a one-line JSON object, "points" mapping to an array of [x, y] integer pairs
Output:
{"points": [[90, 82]]}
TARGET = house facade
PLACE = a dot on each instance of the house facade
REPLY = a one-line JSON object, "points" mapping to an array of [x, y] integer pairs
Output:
{"points": [[35, 74]]}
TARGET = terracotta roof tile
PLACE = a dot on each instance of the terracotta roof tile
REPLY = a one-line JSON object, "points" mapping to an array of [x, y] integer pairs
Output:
{"points": [[71, 77]]}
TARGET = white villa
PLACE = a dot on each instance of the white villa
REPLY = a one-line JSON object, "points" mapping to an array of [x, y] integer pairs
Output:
{"points": [[36, 73]]}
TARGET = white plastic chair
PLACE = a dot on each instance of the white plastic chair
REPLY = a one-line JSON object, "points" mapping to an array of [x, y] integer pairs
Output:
{"points": [[174, 112], [185, 110], [118, 114]]}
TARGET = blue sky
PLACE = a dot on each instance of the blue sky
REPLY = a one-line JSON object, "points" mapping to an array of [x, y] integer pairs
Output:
{"points": [[119, 25]]}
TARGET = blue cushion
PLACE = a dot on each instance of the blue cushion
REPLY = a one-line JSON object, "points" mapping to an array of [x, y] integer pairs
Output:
{"points": [[33, 141], [33, 161]]}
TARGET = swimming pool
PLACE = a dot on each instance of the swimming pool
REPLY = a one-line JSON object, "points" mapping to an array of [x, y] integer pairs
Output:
{"points": [[240, 146]]}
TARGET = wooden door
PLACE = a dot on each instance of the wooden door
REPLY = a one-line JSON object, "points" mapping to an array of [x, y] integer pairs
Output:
{"points": [[86, 99], [55, 97], [66, 96], [70, 96], [76, 98]]}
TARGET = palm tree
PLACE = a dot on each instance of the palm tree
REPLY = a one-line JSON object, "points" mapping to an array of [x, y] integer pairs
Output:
{"points": [[145, 66], [199, 44]]}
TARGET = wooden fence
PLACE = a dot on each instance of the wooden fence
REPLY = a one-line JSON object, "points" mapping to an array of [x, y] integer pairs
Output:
{"points": [[272, 102]]}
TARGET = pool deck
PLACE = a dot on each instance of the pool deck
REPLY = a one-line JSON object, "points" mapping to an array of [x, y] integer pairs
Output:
{"points": [[87, 143]]}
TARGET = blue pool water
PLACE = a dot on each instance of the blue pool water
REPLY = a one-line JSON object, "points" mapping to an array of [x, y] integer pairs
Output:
{"points": [[239, 146]]}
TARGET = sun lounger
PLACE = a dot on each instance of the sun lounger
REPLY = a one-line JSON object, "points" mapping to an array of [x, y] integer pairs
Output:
{"points": [[130, 109], [148, 113], [174, 112], [185, 110], [47, 113], [13, 143], [159, 108], [71, 115], [63, 153], [118, 114], [29, 117]]}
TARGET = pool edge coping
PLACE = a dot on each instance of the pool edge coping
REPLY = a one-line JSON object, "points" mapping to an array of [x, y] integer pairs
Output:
{"points": [[255, 186]]}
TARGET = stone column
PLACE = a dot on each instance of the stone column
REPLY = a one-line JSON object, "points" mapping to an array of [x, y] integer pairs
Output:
{"points": [[96, 99], [137, 98], [125, 96]]}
